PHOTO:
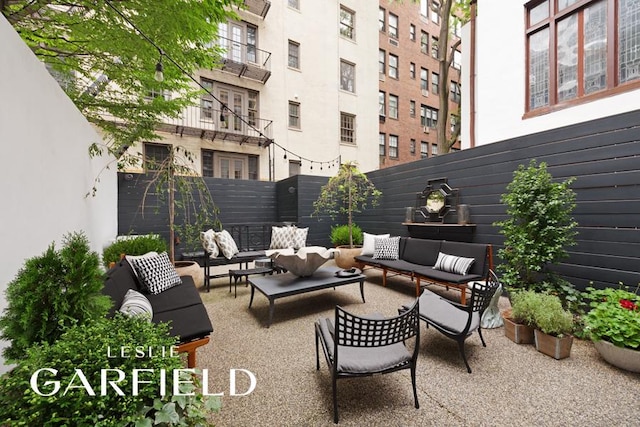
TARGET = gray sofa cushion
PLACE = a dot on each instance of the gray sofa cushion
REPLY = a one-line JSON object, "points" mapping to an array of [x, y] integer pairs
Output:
{"points": [[118, 281], [468, 250], [187, 323], [444, 276], [440, 312], [421, 251], [180, 296]]}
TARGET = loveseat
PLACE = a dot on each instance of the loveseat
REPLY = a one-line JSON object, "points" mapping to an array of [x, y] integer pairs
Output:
{"points": [[180, 305], [442, 262]]}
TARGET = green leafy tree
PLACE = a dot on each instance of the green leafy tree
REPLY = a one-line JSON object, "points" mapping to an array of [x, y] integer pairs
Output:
{"points": [[107, 67], [52, 292], [346, 193], [539, 228]]}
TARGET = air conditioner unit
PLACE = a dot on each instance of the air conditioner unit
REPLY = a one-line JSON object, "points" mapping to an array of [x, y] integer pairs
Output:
{"points": [[381, 76], [425, 129], [425, 92], [393, 42]]}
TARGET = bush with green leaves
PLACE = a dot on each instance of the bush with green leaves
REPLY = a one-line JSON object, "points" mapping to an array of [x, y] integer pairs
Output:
{"points": [[523, 307], [133, 245], [92, 348], [614, 316], [539, 228], [549, 316], [52, 292], [340, 235]]}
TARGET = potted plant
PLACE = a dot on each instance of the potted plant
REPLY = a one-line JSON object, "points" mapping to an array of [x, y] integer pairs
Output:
{"points": [[346, 193], [613, 324], [553, 326], [132, 245], [518, 324], [538, 231], [340, 235]]}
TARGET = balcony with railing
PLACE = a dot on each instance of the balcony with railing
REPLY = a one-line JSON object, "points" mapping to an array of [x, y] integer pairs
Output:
{"points": [[245, 60], [258, 7]]}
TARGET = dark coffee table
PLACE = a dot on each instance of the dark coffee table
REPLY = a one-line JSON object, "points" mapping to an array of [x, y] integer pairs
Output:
{"points": [[284, 285]]}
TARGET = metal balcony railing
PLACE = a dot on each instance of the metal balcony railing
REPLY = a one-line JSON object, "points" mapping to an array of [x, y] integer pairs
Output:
{"points": [[258, 7], [245, 60]]}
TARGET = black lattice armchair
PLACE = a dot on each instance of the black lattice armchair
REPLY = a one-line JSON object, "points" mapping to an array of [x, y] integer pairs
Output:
{"points": [[458, 321], [357, 346]]}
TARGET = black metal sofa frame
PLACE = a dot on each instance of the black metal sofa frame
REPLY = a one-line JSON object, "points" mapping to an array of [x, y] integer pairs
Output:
{"points": [[418, 256]]}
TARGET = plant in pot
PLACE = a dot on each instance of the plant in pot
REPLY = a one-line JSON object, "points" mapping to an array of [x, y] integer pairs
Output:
{"points": [[537, 232], [613, 324], [132, 245], [518, 324], [348, 192], [553, 326]]}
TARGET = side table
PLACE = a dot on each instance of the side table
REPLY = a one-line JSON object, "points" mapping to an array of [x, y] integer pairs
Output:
{"points": [[238, 274]]}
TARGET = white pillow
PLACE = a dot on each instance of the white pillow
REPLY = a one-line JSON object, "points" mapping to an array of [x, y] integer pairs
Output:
{"points": [[131, 259], [209, 244], [227, 245], [282, 237], [453, 264], [387, 248], [136, 304], [369, 241], [299, 237]]}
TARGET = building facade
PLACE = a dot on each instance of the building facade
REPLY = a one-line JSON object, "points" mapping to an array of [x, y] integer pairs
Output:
{"points": [[408, 74], [294, 94]]}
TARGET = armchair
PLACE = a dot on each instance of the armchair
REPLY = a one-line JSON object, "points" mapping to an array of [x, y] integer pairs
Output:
{"points": [[357, 346]]}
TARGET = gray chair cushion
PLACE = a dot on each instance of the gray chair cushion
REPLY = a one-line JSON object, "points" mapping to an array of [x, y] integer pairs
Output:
{"points": [[357, 360], [443, 313]]}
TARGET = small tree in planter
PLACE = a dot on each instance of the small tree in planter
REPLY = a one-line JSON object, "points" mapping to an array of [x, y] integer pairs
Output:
{"points": [[349, 192], [538, 230]]}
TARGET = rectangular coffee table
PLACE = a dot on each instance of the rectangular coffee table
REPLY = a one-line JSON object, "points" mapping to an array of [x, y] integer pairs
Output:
{"points": [[284, 285]]}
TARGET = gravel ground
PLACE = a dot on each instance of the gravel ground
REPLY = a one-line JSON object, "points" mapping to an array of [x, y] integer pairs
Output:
{"points": [[511, 385]]}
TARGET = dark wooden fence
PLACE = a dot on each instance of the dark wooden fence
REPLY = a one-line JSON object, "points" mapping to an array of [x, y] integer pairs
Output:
{"points": [[603, 155]]}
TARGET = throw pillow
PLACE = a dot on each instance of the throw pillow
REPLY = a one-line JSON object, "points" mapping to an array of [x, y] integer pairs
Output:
{"points": [[281, 237], [453, 264], [226, 244], [386, 248], [131, 258], [136, 304], [156, 273], [368, 242], [299, 237], [209, 244]]}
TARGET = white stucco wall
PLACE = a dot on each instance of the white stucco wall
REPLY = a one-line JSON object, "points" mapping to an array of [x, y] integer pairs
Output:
{"points": [[500, 80], [46, 171]]}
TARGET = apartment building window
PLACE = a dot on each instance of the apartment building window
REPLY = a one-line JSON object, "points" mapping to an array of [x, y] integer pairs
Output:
{"points": [[347, 23], [206, 102], [347, 128], [155, 155], [381, 19], [424, 8], [295, 167], [435, 12], [294, 4], [382, 144], [434, 150], [456, 93], [435, 50], [412, 32], [412, 70], [382, 107], [457, 60], [428, 116], [435, 83], [239, 41], [594, 47], [294, 54], [382, 66], [393, 146], [347, 76], [252, 43], [424, 150], [424, 42], [412, 147], [393, 66], [412, 108], [393, 26], [222, 164], [453, 122], [424, 81], [393, 106], [252, 107], [294, 115]]}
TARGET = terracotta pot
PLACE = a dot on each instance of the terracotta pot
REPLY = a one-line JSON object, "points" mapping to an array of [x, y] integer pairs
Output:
{"points": [[558, 348], [620, 357], [345, 258], [193, 269], [518, 332]]}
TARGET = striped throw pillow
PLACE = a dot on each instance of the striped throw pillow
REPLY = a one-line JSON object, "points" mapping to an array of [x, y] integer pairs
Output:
{"points": [[453, 264], [136, 304]]}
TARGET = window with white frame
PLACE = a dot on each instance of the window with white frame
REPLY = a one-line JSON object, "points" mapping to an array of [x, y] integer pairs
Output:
{"points": [[382, 104], [412, 70], [412, 108], [424, 42], [424, 8], [382, 21], [424, 80], [428, 116], [424, 150], [294, 54], [347, 76], [412, 147], [435, 82], [382, 67], [393, 146], [435, 12], [435, 50], [294, 115], [155, 155], [347, 128], [393, 106], [393, 25], [222, 164], [412, 32], [457, 60], [393, 66], [434, 150], [456, 92], [347, 23], [382, 144]]}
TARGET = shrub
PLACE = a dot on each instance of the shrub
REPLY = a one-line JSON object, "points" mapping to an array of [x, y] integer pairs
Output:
{"points": [[51, 292], [550, 317], [91, 348], [134, 245], [523, 307], [340, 235], [614, 316]]}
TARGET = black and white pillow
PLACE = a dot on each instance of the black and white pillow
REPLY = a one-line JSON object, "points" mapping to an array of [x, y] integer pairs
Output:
{"points": [[282, 237], [156, 273], [368, 242], [209, 244], [453, 264], [136, 304], [227, 245], [386, 248], [299, 237]]}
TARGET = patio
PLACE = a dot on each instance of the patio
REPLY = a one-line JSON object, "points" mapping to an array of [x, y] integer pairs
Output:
{"points": [[510, 385]]}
